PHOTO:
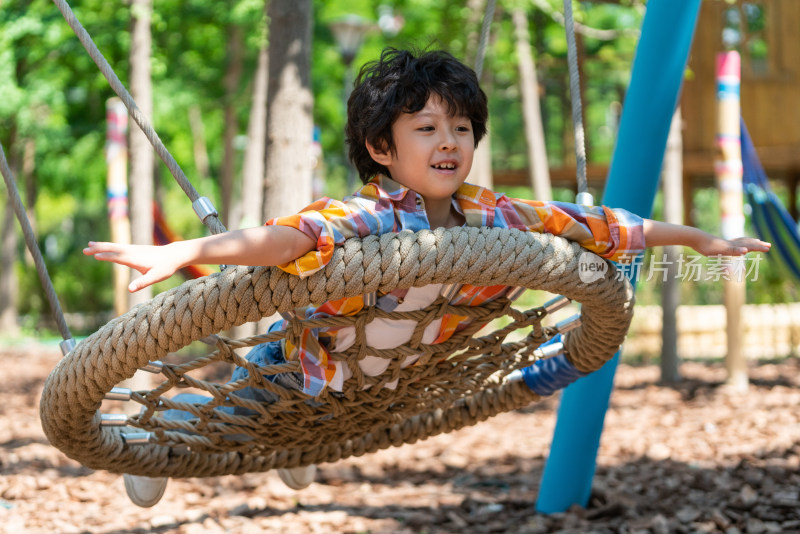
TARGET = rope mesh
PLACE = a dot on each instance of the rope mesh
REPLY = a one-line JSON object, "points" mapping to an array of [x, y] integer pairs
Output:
{"points": [[455, 384]]}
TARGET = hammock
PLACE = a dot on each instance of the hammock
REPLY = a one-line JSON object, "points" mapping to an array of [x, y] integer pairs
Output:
{"points": [[454, 384], [770, 218]]}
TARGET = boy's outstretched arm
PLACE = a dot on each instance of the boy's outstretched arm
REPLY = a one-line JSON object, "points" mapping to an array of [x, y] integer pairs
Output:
{"points": [[658, 233], [262, 245]]}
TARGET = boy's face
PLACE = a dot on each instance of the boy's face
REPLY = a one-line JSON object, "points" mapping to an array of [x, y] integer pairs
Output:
{"points": [[433, 151]]}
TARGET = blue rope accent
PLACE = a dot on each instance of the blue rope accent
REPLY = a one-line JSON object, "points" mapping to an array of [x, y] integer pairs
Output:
{"points": [[545, 377]]}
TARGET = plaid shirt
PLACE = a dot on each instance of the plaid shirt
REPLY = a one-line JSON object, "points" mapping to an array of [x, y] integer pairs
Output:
{"points": [[383, 205]]}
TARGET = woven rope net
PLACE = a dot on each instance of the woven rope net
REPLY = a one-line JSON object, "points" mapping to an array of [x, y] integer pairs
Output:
{"points": [[452, 385]]}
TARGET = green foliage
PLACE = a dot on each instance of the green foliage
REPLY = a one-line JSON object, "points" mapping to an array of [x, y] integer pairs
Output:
{"points": [[53, 95]]}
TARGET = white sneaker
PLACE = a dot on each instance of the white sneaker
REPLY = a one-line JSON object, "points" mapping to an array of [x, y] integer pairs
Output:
{"points": [[144, 491], [298, 478]]}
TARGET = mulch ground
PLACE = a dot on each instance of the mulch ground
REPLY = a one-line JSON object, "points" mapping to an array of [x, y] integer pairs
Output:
{"points": [[696, 457]]}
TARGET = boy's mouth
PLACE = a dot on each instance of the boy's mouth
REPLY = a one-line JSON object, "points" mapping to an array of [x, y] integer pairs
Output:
{"points": [[445, 165]]}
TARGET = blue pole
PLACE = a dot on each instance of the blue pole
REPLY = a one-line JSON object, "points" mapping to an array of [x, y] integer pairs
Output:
{"points": [[656, 78]]}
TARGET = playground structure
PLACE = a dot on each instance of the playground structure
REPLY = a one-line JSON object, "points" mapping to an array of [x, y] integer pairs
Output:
{"points": [[770, 86], [770, 71], [644, 111]]}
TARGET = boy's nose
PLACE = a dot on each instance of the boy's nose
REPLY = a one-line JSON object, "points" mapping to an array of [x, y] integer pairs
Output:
{"points": [[447, 142]]}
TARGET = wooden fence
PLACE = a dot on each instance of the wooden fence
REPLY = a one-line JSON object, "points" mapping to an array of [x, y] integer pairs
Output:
{"points": [[770, 331]]}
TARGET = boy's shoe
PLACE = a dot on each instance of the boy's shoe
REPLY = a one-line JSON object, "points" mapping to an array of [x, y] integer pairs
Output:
{"points": [[298, 478], [144, 491]]}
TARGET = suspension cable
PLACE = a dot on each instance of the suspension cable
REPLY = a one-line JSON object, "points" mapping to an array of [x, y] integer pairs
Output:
{"points": [[202, 205], [577, 111], [484, 42], [38, 260]]}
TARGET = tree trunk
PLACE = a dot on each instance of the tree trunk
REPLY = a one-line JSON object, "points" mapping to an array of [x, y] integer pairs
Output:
{"points": [[481, 172], [31, 191], [141, 153], [672, 180], [9, 240], [289, 107], [253, 167], [199, 148], [538, 169], [253, 170], [233, 77]]}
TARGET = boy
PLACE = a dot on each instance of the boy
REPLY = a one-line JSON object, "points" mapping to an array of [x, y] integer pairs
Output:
{"points": [[414, 122]]}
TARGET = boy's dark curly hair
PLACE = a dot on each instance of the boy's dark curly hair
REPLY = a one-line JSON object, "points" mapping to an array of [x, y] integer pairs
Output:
{"points": [[402, 82]]}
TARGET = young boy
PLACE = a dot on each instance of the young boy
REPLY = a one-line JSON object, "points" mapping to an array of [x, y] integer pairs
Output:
{"points": [[413, 124]]}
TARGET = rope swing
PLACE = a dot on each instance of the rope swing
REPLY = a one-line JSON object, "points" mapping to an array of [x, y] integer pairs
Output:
{"points": [[466, 379], [454, 384]]}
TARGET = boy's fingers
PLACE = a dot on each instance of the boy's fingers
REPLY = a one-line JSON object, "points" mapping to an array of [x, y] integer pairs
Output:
{"points": [[95, 248], [139, 283]]}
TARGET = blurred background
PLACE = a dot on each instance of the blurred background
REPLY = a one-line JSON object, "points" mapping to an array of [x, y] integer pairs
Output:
{"points": [[222, 82]]}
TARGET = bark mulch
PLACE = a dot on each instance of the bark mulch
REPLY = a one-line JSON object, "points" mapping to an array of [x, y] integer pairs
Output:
{"points": [[691, 458]]}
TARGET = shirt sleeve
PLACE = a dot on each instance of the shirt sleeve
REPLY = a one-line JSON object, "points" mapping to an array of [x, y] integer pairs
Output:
{"points": [[330, 222], [614, 234]]}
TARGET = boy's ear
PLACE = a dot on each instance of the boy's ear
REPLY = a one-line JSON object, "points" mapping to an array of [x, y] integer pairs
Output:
{"points": [[381, 156]]}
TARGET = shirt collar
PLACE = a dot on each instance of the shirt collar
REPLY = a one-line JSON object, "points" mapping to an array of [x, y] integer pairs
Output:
{"points": [[467, 195], [392, 189]]}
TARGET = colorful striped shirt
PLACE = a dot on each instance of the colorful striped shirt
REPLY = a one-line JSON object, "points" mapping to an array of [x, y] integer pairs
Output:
{"points": [[382, 206]]}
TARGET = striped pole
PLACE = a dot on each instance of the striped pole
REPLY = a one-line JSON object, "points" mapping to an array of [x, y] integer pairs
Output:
{"points": [[117, 193], [728, 171]]}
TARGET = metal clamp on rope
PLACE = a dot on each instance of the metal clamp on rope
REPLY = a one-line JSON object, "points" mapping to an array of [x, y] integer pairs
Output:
{"points": [[513, 376], [568, 324], [154, 367], [120, 394], [204, 208], [549, 351], [553, 305], [371, 298], [515, 292], [66, 346], [584, 198], [113, 419], [137, 438], [449, 291]]}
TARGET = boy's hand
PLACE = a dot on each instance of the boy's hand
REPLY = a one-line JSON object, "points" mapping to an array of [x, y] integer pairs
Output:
{"points": [[154, 262], [658, 233], [717, 246]]}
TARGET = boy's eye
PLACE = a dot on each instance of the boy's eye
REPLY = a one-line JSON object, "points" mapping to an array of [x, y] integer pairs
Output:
{"points": [[425, 128], [464, 129]]}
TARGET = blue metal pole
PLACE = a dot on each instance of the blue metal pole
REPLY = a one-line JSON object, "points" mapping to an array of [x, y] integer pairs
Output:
{"points": [[656, 79]]}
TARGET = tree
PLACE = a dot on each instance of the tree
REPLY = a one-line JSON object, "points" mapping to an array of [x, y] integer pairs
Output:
{"points": [[8, 279], [253, 167], [481, 172], [141, 153], [254, 154], [289, 108], [672, 184], [233, 78], [538, 169]]}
